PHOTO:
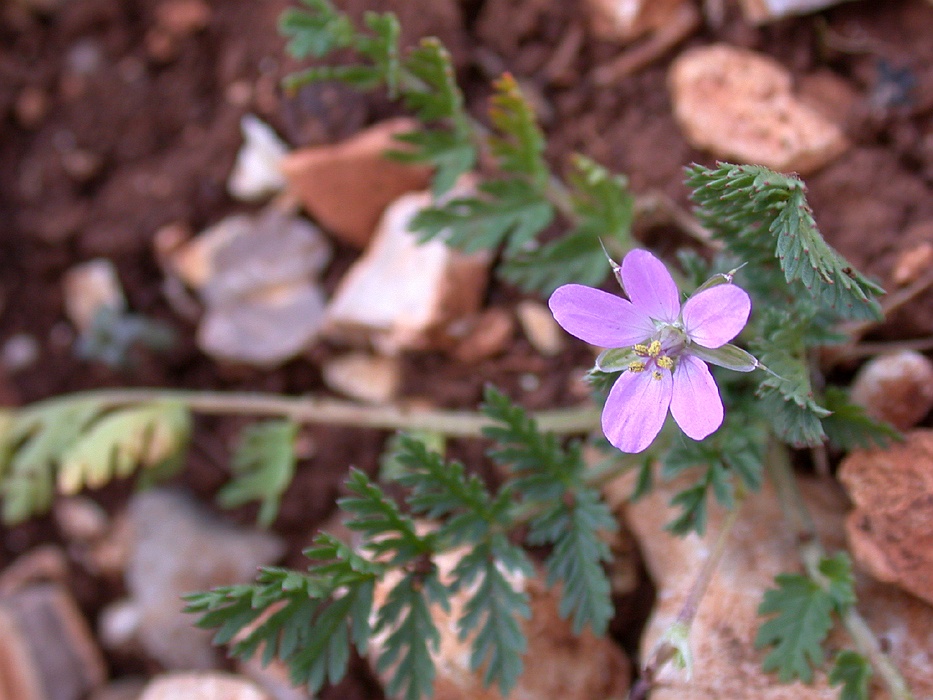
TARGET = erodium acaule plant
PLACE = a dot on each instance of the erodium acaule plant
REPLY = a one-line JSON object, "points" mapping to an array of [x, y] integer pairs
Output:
{"points": [[662, 348]]}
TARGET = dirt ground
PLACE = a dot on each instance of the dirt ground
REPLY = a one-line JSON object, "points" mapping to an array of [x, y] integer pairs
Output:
{"points": [[109, 130]]}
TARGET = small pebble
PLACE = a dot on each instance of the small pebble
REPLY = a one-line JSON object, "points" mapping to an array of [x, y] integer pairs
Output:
{"points": [[20, 352]]}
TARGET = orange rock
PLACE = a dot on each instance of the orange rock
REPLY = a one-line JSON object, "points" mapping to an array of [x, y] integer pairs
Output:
{"points": [[891, 529], [346, 186], [739, 105], [896, 388]]}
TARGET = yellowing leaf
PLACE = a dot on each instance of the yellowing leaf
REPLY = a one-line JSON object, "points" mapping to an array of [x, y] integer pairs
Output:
{"points": [[146, 436]]}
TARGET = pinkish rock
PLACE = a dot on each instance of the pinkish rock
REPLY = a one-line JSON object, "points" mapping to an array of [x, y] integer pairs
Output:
{"points": [[364, 377], [896, 388], [401, 294], [626, 20], [726, 665], [202, 686], [346, 186], [891, 529], [739, 105]]}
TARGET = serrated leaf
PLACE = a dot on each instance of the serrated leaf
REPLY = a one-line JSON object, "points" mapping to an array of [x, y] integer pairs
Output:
{"points": [[146, 436], [510, 211], [762, 216], [316, 31], [849, 427], [803, 618], [575, 257], [840, 582], [853, 672], [518, 143], [263, 466]]}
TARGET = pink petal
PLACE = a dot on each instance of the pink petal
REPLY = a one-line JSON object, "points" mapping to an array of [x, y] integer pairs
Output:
{"points": [[598, 317], [650, 286], [636, 409], [716, 315], [695, 404]]}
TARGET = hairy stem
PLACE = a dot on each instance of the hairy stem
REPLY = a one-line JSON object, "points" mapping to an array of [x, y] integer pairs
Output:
{"points": [[811, 552], [311, 409], [666, 650]]}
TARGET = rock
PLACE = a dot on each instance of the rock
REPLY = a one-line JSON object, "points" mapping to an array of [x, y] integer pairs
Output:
{"points": [[45, 563], [364, 377], [258, 279], [762, 11], [832, 96], [891, 529], [90, 287], [558, 663], [626, 20], [540, 328], [20, 351], [31, 107], [401, 294], [81, 519], [896, 388], [726, 665], [912, 263], [182, 17], [202, 686], [46, 649], [125, 688], [176, 547], [481, 336], [739, 105], [256, 173], [346, 186], [273, 678]]}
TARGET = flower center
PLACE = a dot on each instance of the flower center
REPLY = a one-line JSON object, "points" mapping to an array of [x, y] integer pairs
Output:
{"points": [[661, 353]]}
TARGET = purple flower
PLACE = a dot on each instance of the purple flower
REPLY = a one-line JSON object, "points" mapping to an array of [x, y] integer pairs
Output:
{"points": [[662, 346]]}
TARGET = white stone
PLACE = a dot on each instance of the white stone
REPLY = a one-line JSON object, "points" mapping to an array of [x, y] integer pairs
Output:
{"points": [[762, 11], [202, 686], [539, 326], [256, 173], [626, 20], [90, 287], [400, 293], [739, 105]]}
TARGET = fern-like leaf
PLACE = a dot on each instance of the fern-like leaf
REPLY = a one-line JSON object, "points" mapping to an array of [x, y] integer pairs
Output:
{"points": [[853, 672], [518, 143], [849, 427], [316, 31], [263, 466]]}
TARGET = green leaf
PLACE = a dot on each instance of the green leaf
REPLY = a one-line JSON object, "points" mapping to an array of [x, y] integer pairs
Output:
{"points": [[572, 258], [803, 619], [849, 427], [840, 582], [853, 672], [315, 32], [149, 436], [508, 210], [263, 466], [518, 143], [762, 215]]}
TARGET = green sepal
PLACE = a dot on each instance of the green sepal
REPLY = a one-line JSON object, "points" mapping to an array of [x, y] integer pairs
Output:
{"points": [[728, 356], [615, 359]]}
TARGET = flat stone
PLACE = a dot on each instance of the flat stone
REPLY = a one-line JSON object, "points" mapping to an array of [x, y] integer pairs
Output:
{"points": [[257, 170], [726, 665], [346, 186], [47, 651], [90, 287], [367, 378], [739, 105], [177, 547], [202, 686], [481, 336], [539, 326], [891, 529], [559, 665], [912, 263], [401, 294], [896, 387], [626, 20], [763, 11]]}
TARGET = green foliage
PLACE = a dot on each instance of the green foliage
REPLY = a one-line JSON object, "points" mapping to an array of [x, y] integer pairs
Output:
{"points": [[263, 466], [734, 453], [66, 444], [853, 672], [517, 142], [849, 427], [803, 609], [763, 217], [315, 33]]}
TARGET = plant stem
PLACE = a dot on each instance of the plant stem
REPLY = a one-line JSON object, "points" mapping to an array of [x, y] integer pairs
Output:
{"points": [[665, 650], [311, 409], [811, 552]]}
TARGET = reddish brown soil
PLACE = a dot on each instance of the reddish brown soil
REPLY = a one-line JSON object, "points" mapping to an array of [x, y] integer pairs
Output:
{"points": [[106, 134]]}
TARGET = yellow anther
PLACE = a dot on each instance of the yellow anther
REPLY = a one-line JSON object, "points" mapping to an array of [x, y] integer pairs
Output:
{"points": [[657, 375], [655, 348], [637, 366], [641, 350], [665, 362]]}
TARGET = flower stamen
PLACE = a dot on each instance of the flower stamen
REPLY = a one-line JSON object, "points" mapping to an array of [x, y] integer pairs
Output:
{"points": [[665, 362], [636, 366]]}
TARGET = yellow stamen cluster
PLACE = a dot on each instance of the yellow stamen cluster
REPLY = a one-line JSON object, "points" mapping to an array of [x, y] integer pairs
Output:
{"points": [[656, 375], [637, 366], [640, 350], [655, 348], [665, 362]]}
